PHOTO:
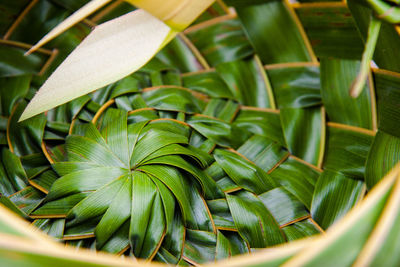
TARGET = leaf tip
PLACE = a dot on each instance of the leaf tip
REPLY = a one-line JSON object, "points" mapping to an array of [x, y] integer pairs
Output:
{"points": [[24, 116], [28, 113], [357, 86], [31, 50]]}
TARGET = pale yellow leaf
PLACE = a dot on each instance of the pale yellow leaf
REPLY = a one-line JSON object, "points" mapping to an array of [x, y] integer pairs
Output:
{"points": [[178, 14], [112, 51]]}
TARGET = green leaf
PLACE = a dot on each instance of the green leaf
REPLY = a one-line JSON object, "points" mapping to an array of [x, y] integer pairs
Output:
{"points": [[57, 228], [90, 131], [337, 76], [347, 237], [300, 230], [155, 230], [66, 167], [14, 63], [253, 221], [223, 249], [178, 54], [222, 179], [201, 212], [6, 202], [388, 97], [244, 74], [25, 137], [177, 185], [59, 207], [13, 10], [346, 152], [297, 86], [209, 187], [222, 109], [220, 132], [83, 149], [385, 54], [153, 141], [45, 180], [264, 152], [6, 185], [173, 99], [221, 215], [118, 243], [217, 46], [175, 236], [15, 172], [175, 149], [334, 195], [144, 195], [199, 246], [209, 83], [84, 180], [168, 202], [383, 156], [332, 30], [260, 122], [96, 203], [66, 113], [172, 125], [34, 164], [116, 214], [373, 33], [297, 178], [11, 90], [27, 199], [304, 131], [135, 128], [116, 133], [81, 231], [244, 173], [285, 207], [263, 24]]}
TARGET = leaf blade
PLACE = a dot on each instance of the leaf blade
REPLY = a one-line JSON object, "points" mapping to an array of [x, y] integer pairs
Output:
{"points": [[82, 72]]}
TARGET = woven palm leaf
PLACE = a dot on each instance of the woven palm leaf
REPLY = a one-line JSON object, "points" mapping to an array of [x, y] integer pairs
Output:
{"points": [[239, 137]]}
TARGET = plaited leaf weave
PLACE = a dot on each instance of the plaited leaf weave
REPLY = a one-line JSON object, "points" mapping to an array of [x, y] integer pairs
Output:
{"points": [[239, 135]]}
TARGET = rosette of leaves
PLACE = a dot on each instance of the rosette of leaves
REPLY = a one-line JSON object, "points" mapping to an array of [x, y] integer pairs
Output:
{"points": [[150, 175], [131, 183]]}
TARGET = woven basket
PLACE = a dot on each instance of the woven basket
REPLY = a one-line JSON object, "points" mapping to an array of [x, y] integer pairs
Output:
{"points": [[278, 153]]}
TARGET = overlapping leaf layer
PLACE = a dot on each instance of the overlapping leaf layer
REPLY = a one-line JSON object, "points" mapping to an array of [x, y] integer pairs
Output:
{"points": [[219, 146]]}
